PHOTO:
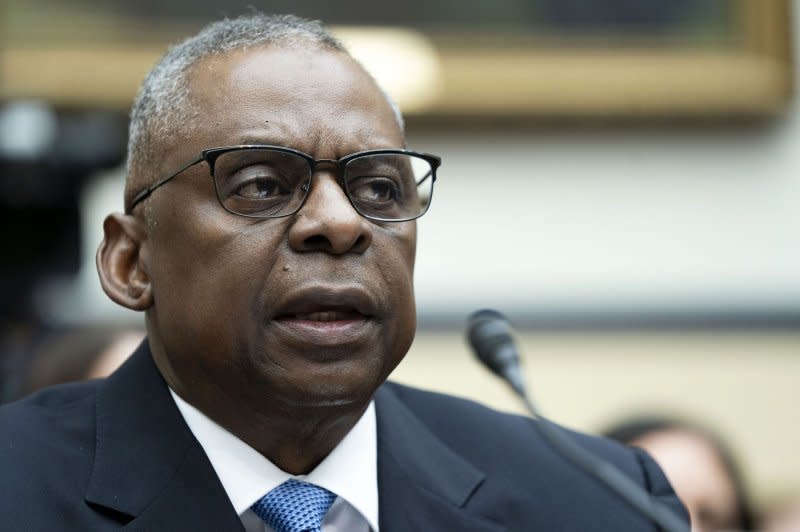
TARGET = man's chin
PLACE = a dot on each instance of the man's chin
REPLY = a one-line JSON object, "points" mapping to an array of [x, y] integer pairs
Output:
{"points": [[328, 393]]}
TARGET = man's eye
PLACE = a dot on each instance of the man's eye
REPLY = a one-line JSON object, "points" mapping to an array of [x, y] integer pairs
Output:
{"points": [[374, 190], [261, 188], [258, 182]]}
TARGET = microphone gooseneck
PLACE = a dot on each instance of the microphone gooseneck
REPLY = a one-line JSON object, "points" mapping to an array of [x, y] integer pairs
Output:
{"points": [[491, 338]]}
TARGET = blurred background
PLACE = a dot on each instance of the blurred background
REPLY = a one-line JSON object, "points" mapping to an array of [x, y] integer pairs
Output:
{"points": [[620, 177]]}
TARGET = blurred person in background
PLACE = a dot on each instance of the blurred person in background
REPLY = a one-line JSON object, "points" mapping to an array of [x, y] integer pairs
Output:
{"points": [[700, 467], [784, 518], [78, 354]]}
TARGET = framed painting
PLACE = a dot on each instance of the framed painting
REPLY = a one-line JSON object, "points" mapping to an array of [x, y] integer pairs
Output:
{"points": [[627, 58], [498, 59]]}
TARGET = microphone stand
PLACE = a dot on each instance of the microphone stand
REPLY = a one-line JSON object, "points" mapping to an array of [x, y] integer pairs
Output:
{"points": [[490, 337], [603, 471]]}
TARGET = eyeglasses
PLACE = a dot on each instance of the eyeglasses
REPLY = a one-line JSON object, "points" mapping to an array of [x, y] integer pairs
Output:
{"points": [[273, 181]]}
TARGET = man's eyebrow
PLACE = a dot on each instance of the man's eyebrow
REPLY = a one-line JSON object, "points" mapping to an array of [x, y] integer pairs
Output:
{"points": [[269, 134], [259, 140]]}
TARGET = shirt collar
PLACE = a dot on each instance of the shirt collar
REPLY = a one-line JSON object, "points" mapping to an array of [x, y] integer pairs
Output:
{"points": [[350, 470]]}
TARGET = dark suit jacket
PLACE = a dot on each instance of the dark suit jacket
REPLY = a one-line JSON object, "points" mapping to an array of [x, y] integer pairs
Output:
{"points": [[116, 453]]}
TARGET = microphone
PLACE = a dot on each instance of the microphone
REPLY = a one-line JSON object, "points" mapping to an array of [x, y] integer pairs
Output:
{"points": [[491, 339]]}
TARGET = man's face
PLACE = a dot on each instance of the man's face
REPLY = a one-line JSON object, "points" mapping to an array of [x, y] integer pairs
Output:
{"points": [[312, 309]]}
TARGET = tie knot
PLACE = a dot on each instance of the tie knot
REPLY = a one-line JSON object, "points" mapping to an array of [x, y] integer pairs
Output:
{"points": [[294, 506]]}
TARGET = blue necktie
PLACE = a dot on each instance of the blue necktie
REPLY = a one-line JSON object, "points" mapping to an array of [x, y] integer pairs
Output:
{"points": [[294, 506]]}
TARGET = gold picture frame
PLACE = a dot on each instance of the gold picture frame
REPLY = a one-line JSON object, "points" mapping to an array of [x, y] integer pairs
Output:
{"points": [[752, 77], [495, 79]]}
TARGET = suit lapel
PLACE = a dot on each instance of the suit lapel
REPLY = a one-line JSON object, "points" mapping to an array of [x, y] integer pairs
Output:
{"points": [[423, 484], [150, 471], [148, 467]]}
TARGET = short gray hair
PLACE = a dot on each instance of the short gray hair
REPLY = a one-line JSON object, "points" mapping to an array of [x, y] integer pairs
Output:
{"points": [[162, 101]]}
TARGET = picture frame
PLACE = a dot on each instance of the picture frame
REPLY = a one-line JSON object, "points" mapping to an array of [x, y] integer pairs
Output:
{"points": [[490, 76], [752, 76]]}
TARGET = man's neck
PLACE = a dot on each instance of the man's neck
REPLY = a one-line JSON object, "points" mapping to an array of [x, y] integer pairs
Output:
{"points": [[294, 438]]}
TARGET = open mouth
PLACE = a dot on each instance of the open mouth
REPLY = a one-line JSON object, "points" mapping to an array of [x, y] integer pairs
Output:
{"points": [[325, 326], [324, 315], [327, 316]]}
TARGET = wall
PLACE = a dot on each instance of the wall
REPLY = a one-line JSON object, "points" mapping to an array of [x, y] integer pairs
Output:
{"points": [[609, 220]]}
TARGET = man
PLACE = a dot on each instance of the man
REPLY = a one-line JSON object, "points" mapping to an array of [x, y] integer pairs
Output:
{"points": [[269, 237]]}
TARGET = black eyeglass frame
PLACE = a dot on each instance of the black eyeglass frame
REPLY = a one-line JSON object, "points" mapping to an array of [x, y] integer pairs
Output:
{"points": [[211, 155]]}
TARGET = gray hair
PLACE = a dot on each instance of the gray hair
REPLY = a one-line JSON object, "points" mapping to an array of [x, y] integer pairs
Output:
{"points": [[162, 101]]}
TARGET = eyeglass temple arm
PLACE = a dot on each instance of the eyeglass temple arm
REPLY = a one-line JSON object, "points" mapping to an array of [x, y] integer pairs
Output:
{"points": [[138, 198], [144, 194], [424, 178]]}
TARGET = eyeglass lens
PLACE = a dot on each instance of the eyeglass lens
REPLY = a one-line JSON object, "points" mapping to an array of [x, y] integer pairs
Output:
{"points": [[261, 182]]}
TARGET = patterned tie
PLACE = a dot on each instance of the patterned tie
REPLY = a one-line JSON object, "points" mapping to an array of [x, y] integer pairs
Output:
{"points": [[294, 506]]}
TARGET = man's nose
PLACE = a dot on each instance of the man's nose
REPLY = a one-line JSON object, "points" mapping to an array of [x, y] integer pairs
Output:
{"points": [[328, 222]]}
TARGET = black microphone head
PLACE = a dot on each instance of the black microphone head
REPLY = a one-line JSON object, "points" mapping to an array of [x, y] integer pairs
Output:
{"points": [[489, 335]]}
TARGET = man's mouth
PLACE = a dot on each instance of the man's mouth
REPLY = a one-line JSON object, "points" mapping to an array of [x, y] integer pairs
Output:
{"points": [[325, 304], [325, 315], [321, 316]]}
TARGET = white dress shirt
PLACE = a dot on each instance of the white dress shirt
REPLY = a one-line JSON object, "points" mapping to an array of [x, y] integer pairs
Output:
{"points": [[350, 471]]}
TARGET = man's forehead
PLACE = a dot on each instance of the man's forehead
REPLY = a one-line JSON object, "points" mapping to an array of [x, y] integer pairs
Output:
{"points": [[280, 73], [276, 95]]}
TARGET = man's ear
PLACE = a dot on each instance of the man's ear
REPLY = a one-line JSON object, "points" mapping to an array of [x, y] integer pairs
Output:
{"points": [[120, 262]]}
